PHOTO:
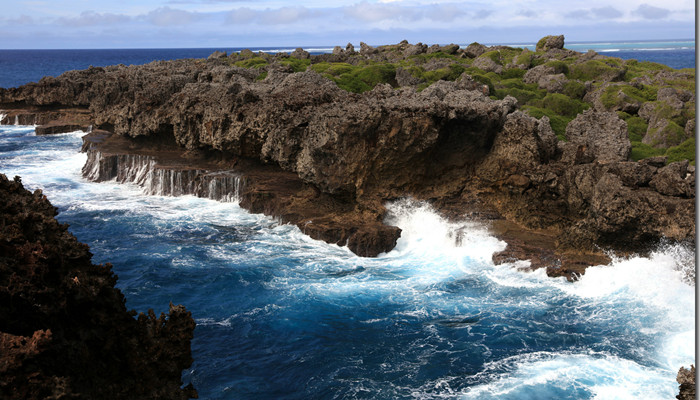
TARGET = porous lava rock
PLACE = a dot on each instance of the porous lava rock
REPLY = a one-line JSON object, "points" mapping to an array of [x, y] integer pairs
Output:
{"points": [[65, 332]]}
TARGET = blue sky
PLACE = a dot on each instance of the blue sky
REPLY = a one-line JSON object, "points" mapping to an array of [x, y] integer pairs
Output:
{"points": [[47, 24]]}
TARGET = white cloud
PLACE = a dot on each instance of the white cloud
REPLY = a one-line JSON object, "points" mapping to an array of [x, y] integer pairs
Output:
{"points": [[650, 12], [166, 16], [92, 18]]}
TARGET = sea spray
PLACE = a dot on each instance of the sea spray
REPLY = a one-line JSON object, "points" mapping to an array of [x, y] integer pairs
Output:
{"points": [[283, 315], [144, 171]]}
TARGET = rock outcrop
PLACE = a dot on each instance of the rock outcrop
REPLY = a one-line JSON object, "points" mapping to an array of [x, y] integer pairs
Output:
{"points": [[332, 158], [65, 332], [686, 380]]}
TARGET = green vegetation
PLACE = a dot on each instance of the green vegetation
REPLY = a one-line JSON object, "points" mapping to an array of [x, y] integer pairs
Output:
{"points": [[561, 104], [593, 70], [296, 64], [357, 78], [641, 151], [557, 122], [255, 62], [684, 151], [636, 69], [559, 66], [617, 95], [636, 126], [574, 89], [362, 74]]}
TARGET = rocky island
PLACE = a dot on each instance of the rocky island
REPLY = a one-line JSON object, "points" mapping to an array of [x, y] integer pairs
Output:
{"points": [[566, 155]]}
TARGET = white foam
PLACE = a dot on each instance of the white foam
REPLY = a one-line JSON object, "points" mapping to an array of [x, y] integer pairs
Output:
{"points": [[592, 375]]}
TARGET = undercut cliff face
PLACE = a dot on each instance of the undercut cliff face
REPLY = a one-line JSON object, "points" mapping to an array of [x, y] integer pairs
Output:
{"points": [[65, 332], [326, 160]]}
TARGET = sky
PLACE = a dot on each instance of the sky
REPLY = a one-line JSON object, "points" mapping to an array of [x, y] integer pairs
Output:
{"points": [[65, 24]]}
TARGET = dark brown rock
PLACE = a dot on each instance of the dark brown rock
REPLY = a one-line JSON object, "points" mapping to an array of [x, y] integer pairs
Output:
{"points": [[674, 180], [686, 380], [64, 329], [450, 144]]}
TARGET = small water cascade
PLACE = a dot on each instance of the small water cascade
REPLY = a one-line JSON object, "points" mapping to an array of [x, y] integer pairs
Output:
{"points": [[156, 180], [2, 117], [16, 120]]}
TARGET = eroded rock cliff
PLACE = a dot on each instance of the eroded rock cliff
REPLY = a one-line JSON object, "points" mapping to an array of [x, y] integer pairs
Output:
{"points": [[65, 332], [337, 156]]}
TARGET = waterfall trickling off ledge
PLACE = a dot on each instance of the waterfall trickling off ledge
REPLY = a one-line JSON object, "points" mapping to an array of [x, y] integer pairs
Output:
{"points": [[144, 171]]}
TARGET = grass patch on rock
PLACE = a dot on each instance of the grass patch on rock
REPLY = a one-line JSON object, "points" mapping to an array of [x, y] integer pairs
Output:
{"points": [[684, 151]]}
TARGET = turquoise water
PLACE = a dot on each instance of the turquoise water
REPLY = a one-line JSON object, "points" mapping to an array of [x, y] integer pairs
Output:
{"points": [[280, 315]]}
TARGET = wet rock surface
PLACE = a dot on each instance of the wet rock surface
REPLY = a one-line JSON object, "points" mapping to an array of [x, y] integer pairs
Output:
{"points": [[65, 332], [686, 380]]}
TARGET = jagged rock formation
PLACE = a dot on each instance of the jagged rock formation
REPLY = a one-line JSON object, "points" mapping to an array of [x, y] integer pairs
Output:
{"points": [[65, 332], [332, 157], [686, 380]]}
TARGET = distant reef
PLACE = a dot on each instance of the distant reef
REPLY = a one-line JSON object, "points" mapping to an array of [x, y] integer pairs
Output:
{"points": [[564, 154], [65, 332]]}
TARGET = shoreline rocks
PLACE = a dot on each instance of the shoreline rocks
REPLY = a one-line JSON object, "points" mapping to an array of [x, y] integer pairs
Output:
{"points": [[64, 329], [450, 144]]}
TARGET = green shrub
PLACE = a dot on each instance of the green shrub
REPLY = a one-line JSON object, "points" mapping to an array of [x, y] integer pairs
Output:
{"points": [[611, 95], [641, 151], [513, 73], [636, 128], [360, 79], [558, 122], [484, 80], [636, 69], [525, 58], [255, 62], [559, 66], [262, 76], [593, 70], [523, 96], [684, 151], [494, 55], [561, 104], [296, 64], [574, 89], [518, 83]]}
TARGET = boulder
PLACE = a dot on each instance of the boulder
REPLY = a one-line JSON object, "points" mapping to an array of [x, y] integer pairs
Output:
{"points": [[488, 65], [550, 42], [674, 180], [686, 380], [367, 50], [300, 54], [602, 133], [217, 55], [474, 50]]}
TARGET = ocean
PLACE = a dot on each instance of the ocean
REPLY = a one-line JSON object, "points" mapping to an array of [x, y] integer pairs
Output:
{"points": [[18, 67], [282, 316]]}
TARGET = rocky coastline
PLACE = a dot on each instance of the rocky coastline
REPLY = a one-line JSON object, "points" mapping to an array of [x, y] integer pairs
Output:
{"points": [[65, 332], [315, 148]]}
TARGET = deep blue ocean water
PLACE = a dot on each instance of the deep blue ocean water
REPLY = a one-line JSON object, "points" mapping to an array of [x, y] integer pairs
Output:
{"points": [[18, 67], [282, 316]]}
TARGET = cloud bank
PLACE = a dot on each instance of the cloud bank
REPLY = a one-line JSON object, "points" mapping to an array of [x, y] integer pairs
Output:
{"points": [[203, 23]]}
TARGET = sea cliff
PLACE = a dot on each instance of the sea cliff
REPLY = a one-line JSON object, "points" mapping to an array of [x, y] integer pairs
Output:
{"points": [[65, 332], [564, 154]]}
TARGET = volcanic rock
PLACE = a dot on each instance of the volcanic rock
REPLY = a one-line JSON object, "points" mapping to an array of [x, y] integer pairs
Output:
{"points": [[64, 329], [603, 133]]}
